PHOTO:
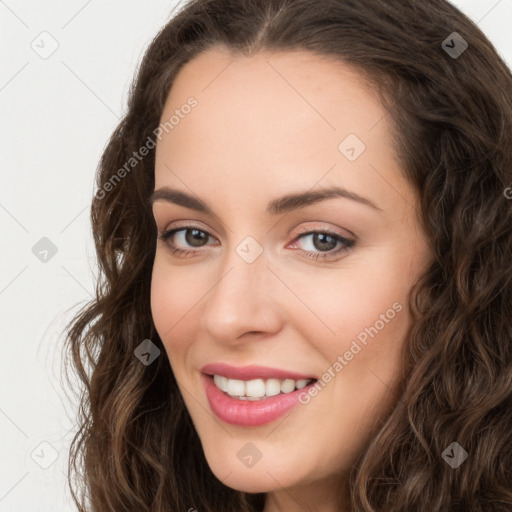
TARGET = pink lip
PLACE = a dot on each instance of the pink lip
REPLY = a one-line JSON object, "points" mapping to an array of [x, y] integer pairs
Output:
{"points": [[248, 413], [251, 372]]}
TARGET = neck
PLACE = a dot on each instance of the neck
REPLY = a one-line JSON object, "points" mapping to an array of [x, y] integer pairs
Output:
{"points": [[326, 496]]}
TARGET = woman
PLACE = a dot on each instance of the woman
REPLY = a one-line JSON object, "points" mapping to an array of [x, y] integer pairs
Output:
{"points": [[305, 302]]}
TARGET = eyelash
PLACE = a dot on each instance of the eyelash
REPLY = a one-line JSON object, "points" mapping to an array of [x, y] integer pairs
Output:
{"points": [[347, 244]]}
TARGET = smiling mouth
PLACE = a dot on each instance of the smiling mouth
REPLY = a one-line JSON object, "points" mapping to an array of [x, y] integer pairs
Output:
{"points": [[258, 389]]}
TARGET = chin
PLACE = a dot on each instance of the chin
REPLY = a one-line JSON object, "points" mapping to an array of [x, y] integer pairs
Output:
{"points": [[247, 481], [264, 476]]}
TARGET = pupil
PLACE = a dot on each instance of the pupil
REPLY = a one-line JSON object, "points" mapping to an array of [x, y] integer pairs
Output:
{"points": [[197, 235], [321, 237]]}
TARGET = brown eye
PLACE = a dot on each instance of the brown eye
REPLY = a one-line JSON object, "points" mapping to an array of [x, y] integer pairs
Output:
{"points": [[322, 244], [188, 237]]}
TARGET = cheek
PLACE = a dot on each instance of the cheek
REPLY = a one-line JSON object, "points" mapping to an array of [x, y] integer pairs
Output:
{"points": [[173, 297], [362, 363], [364, 302]]}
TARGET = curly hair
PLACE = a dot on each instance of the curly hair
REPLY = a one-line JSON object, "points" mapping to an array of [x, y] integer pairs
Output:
{"points": [[136, 448]]}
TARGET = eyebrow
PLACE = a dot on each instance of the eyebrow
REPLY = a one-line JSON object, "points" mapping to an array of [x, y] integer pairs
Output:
{"points": [[277, 206]]}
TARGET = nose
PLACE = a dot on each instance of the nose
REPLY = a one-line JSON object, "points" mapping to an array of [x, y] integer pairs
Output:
{"points": [[243, 300]]}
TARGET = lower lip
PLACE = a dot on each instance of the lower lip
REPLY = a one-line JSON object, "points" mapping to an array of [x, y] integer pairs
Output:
{"points": [[247, 413]]}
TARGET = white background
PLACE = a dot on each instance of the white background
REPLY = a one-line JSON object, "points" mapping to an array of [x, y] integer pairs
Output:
{"points": [[56, 116]]}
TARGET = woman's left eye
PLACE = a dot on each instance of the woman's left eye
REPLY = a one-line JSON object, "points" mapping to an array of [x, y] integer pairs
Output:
{"points": [[327, 243]]}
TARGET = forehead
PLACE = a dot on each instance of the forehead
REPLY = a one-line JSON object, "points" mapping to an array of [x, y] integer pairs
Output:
{"points": [[286, 91], [275, 121]]}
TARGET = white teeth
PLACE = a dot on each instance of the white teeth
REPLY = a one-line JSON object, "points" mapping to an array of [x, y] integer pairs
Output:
{"points": [[287, 385], [257, 389], [221, 382], [302, 383], [235, 387], [273, 387]]}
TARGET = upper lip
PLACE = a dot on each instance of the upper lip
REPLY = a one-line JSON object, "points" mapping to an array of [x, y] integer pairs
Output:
{"points": [[252, 372]]}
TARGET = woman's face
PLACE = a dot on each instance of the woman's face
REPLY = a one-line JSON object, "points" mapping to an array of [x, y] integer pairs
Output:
{"points": [[279, 273]]}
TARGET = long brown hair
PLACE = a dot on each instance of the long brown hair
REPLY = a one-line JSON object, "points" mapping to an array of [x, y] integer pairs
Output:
{"points": [[136, 448]]}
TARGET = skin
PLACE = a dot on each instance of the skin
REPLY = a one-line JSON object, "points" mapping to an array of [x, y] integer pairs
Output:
{"points": [[264, 127]]}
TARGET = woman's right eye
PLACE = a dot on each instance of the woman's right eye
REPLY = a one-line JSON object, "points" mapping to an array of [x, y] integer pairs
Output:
{"points": [[178, 239]]}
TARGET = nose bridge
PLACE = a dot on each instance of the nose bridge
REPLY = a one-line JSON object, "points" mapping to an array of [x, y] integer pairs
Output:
{"points": [[242, 299]]}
